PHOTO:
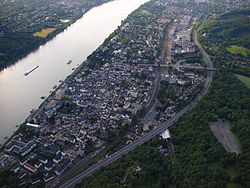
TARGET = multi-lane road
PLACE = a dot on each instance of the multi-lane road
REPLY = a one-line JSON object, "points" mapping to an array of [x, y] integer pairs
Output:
{"points": [[117, 155]]}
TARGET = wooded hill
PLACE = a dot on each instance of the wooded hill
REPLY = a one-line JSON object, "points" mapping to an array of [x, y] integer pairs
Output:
{"points": [[227, 39]]}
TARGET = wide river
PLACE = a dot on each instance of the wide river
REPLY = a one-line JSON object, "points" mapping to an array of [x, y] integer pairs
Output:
{"points": [[19, 93]]}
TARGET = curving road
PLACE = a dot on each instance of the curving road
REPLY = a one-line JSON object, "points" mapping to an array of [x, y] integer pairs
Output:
{"points": [[117, 155]]}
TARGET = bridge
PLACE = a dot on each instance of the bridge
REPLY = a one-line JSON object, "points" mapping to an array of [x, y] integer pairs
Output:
{"points": [[179, 66]]}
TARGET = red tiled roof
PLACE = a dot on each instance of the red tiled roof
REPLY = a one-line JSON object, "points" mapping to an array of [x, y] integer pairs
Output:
{"points": [[29, 166], [241, 62], [165, 20]]}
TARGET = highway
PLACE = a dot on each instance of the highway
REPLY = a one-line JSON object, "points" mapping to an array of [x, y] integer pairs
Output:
{"points": [[117, 155]]}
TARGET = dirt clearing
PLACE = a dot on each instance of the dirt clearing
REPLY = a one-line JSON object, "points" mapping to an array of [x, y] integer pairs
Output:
{"points": [[225, 136]]}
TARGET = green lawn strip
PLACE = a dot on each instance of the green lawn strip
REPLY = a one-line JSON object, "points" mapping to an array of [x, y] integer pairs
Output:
{"points": [[244, 79], [234, 49]]}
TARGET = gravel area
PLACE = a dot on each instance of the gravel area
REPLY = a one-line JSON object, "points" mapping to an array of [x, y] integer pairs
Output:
{"points": [[225, 136]]}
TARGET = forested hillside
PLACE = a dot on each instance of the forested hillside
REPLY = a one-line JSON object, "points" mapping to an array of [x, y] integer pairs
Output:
{"points": [[226, 38]]}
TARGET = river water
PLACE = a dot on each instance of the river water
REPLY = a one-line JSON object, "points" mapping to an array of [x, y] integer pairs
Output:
{"points": [[19, 94]]}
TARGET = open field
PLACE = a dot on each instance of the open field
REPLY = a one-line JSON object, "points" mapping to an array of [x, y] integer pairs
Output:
{"points": [[224, 135], [244, 79], [44, 32], [64, 20], [144, 12], [234, 49]]}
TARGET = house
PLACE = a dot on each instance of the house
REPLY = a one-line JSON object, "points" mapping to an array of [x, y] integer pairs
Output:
{"points": [[38, 165], [48, 177], [165, 77], [4, 161], [20, 147], [64, 153], [51, 149], [63, 167], [30, 167], [49, 166], [27, 148], [45, 173], [21, 176], [166, 134], [58, 158], [15, 168], [164, 20], [35, 180], [13, 144], [138, 169], [21, 184], [33, 126], [43, 160]]}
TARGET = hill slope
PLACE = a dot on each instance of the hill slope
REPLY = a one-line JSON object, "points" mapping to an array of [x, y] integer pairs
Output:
{"points": [[227, 39]]}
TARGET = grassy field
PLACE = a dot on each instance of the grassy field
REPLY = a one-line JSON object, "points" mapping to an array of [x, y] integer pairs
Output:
{"points": [[44, 32], [234, 49], [64, 21], [245, 80], [144, 12]]}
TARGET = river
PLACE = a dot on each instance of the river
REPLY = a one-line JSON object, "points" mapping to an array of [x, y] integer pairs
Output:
{"points": [[19, 93]]}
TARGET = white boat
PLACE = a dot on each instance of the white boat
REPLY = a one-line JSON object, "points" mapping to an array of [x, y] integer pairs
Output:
{"points": [[27, 73], [69, 62]]}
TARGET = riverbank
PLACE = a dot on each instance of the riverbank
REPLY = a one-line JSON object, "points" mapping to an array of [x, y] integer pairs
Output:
{"points": [[14, 43]]}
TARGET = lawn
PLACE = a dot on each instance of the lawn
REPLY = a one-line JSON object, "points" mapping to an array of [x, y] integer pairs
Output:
{"points": [[234, 49], [245, 80], [144, 12], [44, 32], [64, 21]]}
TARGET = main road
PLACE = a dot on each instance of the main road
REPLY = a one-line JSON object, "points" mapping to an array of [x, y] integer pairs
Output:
{"points": [[117, 155]]}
